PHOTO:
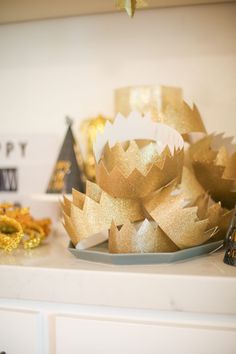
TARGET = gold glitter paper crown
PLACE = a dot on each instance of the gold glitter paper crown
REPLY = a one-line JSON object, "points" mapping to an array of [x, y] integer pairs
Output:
{"points": [[214, 163], [186, 224], [143, 237], [217, 216], [190, 188], [140, 203], [93, 212], [165, 104], [185, 212], [136, 156]]}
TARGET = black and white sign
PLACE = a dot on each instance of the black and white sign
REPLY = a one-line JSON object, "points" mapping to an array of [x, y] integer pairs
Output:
{"points": [[8, 179], [26, 162]]}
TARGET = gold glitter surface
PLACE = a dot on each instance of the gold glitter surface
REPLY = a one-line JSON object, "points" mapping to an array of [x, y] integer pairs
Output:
{"points": [[165, 104], [135, 173], [143, 237], [130, 158], [224, 220], [207, 208], [78, 198], [57, 181], [140, 196], [66, 205], [180, 222], [215, 168], [18, 227], [11, 233], [230, 167], [214, 214], [88, 216], [69, 227], [121, 241], [189, 186], [33, 235], [93, 191]]}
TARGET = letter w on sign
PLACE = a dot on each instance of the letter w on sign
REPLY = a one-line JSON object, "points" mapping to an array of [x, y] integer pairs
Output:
{"points": [[8, 180]]}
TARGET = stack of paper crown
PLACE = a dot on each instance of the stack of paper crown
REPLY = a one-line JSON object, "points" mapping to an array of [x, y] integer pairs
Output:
{"points": [[145, 199]]}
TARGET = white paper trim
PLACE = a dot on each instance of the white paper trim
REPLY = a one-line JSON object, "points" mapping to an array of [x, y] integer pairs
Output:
{"points": [[137, 127], [92, 240]]}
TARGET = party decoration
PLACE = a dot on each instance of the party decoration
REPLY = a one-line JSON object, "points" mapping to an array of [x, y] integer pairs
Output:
{"points": [[11, 233], [142, 237], [185, 225], [190, 187], [136, 156], [67, 173], [8, 179], [130, 5], [145, 200], [18, 227], [230, 242], [214, 163], [92, 213], [164, 103], [89, 129], [196, 195], [224, 221]]}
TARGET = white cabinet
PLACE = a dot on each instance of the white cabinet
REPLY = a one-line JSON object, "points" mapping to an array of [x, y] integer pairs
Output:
{"points": [[53, 303], [19, 332], [62, 328], [90, 336]]}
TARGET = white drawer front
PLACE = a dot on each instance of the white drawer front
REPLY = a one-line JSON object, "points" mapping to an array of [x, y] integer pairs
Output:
{"points": [[19, 332], [90, 336]]}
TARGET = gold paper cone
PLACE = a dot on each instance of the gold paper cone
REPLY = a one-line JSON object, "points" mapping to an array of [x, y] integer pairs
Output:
{"points": [[214, 164], [94, 211], [180, 222], [165, 104], [133, 168], [144, 237]]}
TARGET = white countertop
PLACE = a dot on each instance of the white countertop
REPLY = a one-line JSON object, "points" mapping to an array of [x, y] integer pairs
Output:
{"points": [[50, 273]]}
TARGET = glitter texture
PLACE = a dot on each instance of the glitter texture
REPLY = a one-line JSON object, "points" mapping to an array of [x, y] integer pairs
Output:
{"points": [[214, 163]]}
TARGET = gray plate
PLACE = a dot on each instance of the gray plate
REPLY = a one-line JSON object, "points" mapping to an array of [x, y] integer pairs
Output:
{"points": [[100, 254]]}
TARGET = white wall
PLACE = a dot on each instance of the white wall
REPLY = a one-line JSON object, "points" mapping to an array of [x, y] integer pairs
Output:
{"points": [[70, 66]]}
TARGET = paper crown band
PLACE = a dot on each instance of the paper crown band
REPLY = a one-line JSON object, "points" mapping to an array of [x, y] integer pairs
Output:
{"points": [[142, 237], [165, 104], [136, 171]]}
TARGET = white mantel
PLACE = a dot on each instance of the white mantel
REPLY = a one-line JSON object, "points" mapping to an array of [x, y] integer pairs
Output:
{"points": [[64, 293], [51, 273]]}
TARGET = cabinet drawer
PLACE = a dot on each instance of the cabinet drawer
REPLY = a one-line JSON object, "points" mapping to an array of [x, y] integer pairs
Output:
{"points": [[19, 332], [91, 336]]}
